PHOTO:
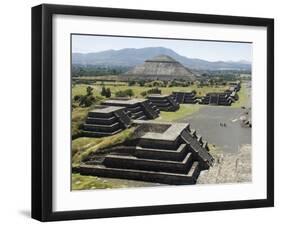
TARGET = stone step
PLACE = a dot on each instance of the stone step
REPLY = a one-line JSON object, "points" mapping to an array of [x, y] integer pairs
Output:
{"points": [[162, 154], [123, 118], [101, 128], [131, 162], [206, 159], [143, 117], [138, 114], [149, 110], [100, 134], [105, 121], [189, 177], [160, 143], [134, 109], [162, 104], [94, 114]]}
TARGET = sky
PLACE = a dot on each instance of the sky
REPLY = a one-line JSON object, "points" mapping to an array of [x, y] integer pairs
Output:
{"points": [[206, 50]]}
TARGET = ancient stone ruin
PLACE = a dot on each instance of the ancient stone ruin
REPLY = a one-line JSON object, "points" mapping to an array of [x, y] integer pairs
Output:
{"points": [[106, 121], [185, 97], [164, 102], [160, 67], [168, 153], [217, 99], [140, 109], [225, 98]]}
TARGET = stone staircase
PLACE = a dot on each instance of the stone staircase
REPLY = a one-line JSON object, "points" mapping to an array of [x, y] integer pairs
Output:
{"points": [[163, 153], [164, 102], [151, 110]]}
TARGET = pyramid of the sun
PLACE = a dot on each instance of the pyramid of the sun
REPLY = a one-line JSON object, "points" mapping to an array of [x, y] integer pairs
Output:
{"points": [[161, 67]]}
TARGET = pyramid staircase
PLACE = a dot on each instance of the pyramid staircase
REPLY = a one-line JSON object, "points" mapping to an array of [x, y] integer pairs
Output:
{"points": [[164, 102], [172, 154], [214, 100]]}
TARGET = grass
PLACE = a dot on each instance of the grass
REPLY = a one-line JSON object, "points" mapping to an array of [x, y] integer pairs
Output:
{"points": [[80, 182], [184, 111], [78, 117], [80, 89], [84, 146]]}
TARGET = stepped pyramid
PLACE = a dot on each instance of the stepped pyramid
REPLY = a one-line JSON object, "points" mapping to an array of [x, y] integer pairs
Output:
{"points": [[168, 153], [140, 109], [106, 121], [164, 102], [161, 67], [185, 97]]}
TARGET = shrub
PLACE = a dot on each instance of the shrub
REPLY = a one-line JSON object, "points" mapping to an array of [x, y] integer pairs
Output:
{"points": [[154, 91], [124, 93], [141, 83], [144, 93], [131, 83], [108, 93], [86, 101], [89, 90]]}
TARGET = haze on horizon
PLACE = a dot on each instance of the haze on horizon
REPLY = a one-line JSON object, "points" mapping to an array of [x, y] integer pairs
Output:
{"points": [[205, 50]]}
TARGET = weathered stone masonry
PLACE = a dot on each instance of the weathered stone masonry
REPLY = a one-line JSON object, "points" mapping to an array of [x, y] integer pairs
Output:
{"points": [[169, 153], [106, 121]]}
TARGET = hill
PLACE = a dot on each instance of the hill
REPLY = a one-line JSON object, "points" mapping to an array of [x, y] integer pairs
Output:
{"points": [[130, 57]]}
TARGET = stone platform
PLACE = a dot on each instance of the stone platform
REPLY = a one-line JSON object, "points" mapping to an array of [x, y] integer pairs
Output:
{"points": [[224, 98], [140, 109], [106, 121], [164, 102], [169, 153], [185, 97]]}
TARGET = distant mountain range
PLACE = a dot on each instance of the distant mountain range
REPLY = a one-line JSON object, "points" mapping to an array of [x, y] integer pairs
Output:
{"points": [[130, 57]]}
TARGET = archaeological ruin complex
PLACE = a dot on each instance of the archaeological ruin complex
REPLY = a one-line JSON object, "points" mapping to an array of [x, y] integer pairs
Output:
{"points": [[168, 153]]}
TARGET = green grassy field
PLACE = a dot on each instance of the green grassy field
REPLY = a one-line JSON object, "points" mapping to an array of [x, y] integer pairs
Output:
{"points": [[80, 182], [184, 111], [80, 89], [84, 146], [78, 117]]}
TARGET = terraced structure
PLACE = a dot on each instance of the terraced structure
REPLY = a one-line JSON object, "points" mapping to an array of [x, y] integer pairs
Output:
{"points": [[136, 109], [168, 153], [185, 97], [217, 99], [106, 121], [164, 102]]}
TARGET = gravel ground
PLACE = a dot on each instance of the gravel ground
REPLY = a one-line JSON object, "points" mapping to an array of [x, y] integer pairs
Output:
{"points": [[229, 168], [207, 122]]}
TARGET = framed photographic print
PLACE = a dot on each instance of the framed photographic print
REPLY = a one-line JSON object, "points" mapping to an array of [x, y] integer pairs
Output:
{"points": [[146, 112]]}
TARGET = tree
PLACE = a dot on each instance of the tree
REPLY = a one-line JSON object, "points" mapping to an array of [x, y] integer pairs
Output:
{"points": [[89, 90], [86, 101], [141, 83], [131, 83], [108, 93], [103, 91], [130, 92]]}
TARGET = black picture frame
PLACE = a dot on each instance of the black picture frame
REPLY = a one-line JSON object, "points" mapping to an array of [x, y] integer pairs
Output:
{"points": [[42, 107]]}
